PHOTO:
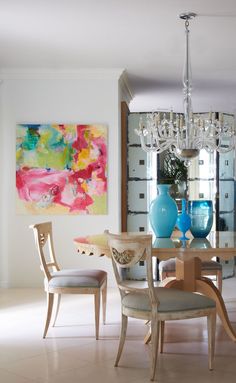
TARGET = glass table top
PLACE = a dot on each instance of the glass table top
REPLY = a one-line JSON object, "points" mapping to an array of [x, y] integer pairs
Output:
{"points": [[220, 240], [215, 240]]}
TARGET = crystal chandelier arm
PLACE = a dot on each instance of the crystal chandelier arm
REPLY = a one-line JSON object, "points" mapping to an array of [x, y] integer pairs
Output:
{"points": [[156, 145], [186, 134]]}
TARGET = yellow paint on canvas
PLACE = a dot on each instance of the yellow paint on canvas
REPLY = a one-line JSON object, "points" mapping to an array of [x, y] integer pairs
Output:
{"points": [[27, 208], [85, 187], [83, 158], [98, 131], [99, 205]]}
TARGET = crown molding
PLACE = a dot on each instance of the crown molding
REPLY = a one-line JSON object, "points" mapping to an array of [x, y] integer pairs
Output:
{"points": [[60, 74], [127, 94]]}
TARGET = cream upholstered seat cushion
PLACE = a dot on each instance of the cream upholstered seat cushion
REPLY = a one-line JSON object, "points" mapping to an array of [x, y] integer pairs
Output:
{"points": [[171, 300], [211, 265], [77, 278], [169, 265]]}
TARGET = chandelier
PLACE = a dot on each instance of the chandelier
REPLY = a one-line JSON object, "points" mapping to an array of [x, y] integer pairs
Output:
{"points": [[185, 134]]}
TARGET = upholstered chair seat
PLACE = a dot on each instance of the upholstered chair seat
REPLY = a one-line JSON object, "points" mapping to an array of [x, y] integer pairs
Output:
{"points": [[213, 268], [170, 300], [77, 278]]}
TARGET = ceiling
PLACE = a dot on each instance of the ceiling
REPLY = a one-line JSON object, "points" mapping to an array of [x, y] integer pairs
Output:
{"points": [[145, 37]]}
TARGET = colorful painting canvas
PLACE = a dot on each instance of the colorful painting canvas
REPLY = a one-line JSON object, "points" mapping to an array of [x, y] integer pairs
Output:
{"points": [[61, 169]]}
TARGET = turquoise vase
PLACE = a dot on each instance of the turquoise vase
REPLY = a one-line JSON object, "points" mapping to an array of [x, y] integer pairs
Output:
{"points": [[163, 213], [183, 221], [201, 213]]}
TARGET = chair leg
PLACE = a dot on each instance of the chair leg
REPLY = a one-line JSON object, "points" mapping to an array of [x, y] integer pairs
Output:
{"points": [[219, 280], [124, 323], [57, 308], [211, 326], [162, 331], [104, 302], [162, 275], [50, 298], [155, 326], [97, 312]]}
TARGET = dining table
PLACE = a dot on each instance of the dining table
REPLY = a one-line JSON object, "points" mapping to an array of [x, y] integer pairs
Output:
{"points": [[189, 254]]}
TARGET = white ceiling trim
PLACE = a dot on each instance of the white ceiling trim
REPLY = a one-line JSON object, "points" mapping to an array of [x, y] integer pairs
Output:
{"points": [[38, 73], [125, 88]]}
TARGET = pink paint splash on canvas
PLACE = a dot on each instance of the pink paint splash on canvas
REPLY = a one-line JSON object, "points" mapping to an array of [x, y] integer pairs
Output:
{"points": [[62, 168]]}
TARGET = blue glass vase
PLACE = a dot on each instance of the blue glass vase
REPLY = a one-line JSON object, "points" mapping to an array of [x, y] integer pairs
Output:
{"points": [[163, 213], [183, 221], [201, 213]]}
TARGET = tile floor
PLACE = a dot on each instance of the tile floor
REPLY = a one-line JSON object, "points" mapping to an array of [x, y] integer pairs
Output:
{"points": [[70, 353]]}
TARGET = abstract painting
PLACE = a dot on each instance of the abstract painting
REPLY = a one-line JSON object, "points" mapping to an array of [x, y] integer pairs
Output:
{"points": [[61, 169]]}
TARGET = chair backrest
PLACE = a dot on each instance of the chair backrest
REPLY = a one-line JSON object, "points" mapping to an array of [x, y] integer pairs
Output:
{"points": [[127, 250], [44, 244]]}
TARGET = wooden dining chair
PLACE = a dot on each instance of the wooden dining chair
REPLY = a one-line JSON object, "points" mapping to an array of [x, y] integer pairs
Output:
{"points": [[67, 281], [209, 268], [155, 304]]}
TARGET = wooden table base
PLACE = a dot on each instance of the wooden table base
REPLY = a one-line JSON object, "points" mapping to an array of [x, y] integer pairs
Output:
{"points": [[206, 287]]}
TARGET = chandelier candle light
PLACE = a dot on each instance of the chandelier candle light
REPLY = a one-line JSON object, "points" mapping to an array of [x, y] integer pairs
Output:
{"points": [[186, 134]]}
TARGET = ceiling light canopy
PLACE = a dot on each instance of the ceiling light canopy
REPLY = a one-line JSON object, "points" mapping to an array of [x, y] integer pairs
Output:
{"points": [[187, 133]]}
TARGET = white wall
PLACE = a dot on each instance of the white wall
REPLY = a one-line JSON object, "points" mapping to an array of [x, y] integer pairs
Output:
{"points": [[77, 99]]}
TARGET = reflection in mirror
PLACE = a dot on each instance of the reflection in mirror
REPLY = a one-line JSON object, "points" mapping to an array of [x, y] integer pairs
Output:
{"points": [[164, 243], [210, 176], [200, 243]]}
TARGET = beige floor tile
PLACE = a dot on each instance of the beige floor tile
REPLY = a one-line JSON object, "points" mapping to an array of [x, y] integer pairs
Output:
{"points": [[8, 377], [44, 366], [70, 353]]}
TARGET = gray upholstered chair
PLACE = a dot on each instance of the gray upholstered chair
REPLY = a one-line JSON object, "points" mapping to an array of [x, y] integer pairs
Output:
{"points": [[71, 281], [154, 304], [167, 269]]}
